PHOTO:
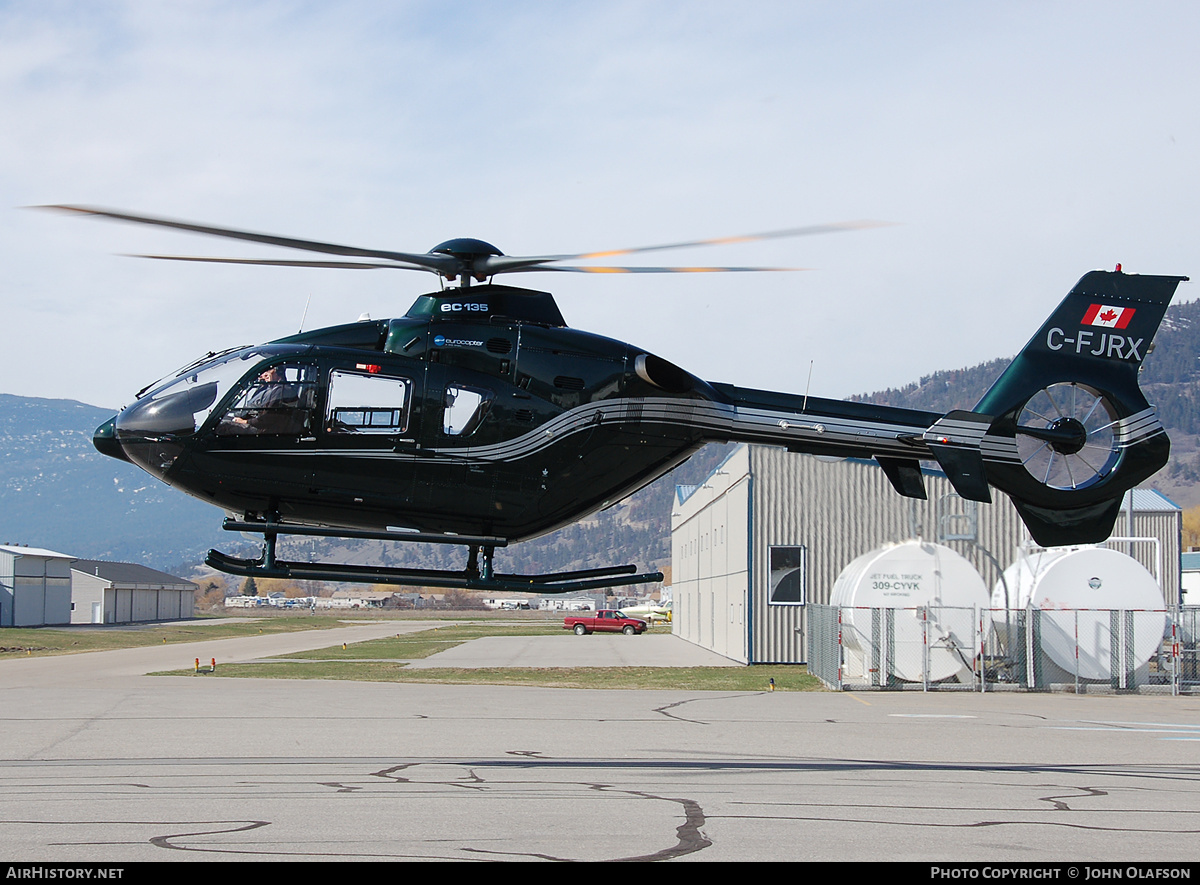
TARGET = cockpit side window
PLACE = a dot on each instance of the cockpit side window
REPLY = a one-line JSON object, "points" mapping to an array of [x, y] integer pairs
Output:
{"points": [[465, 408], [278, 401], [367, 403]]}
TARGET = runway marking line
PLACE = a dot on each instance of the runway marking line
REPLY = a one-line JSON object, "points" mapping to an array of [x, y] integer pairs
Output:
{"points": [[932, 716]]}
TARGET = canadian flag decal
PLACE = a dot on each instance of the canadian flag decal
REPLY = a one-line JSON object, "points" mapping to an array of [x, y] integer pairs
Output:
{"points": [[1108, 316]]}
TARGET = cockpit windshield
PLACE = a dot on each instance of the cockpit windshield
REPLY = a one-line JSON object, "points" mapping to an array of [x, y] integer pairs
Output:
{"points": [[182, 404], [189, 369]]}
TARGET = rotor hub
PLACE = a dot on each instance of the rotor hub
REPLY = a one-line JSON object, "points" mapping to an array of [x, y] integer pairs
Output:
{"points": [[1072, 435], [465, 247]]}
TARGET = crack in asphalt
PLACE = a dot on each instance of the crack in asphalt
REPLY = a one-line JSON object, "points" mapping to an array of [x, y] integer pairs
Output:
{"points": [[664, 709], [340, 787], [1063, 806], [165, 841], [690, 837]]}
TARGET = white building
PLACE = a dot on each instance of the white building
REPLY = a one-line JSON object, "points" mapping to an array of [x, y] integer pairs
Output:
{"points": [[35, 587], [123, 593]]}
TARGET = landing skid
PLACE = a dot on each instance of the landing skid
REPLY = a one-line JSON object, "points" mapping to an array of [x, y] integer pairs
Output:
{"points": [[476, 576]]}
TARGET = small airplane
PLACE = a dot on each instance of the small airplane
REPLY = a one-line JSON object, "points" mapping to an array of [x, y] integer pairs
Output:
{"points": [[649, 612], [479, 418]]}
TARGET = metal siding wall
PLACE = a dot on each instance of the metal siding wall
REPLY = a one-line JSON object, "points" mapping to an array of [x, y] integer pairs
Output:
{"points": [[1167, 526], [838, 512]]}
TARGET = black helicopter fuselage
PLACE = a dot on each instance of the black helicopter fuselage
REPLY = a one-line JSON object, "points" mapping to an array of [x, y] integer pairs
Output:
{"points": [[477, 413]]}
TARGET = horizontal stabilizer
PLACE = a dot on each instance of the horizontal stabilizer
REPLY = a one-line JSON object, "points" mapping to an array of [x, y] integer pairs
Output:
{"points": [[955, 441], [905, 475]]}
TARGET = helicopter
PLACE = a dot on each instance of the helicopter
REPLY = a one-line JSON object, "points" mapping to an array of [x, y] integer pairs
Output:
{"points": [[480, 419]]}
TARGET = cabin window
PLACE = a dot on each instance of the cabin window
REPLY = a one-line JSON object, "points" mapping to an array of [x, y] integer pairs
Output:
{"points": [[465, 407], [367, 403], [278, 400]]}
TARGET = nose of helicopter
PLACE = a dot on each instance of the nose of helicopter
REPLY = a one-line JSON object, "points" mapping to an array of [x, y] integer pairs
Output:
{"points": [[106, 442], [145, 433]]}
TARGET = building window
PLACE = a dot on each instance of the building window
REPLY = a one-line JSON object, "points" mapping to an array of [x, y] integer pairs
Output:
{"points": [[788, 576]]}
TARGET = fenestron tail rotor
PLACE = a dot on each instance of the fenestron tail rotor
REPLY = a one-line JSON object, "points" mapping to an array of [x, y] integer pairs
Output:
{"points": [[465, 259], [1066, 436]]}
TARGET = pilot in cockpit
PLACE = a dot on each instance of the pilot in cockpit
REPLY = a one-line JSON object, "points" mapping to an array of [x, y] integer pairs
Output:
{"points": [[260, 410]]}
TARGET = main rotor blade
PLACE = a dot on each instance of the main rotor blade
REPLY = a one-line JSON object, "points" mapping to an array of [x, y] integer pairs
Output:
{"points": [[436, 263], [557, 268], [721, 241], [451, 265], [272, 262]]}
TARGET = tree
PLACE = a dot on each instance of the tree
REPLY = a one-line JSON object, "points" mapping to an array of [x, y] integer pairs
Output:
{"points": [[210, 594], [249, 588], [458, 599], [1191, 527]]}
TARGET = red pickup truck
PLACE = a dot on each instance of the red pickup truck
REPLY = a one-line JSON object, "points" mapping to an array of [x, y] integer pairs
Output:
{"points": [[603, 621]]}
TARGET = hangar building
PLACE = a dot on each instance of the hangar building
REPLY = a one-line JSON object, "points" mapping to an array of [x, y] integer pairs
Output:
{"points": [[122, 593], [765, 511]]}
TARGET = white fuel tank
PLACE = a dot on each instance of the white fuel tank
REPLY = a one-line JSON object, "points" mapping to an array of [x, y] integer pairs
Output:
{"points": [[920, 587], [1082, 593]]}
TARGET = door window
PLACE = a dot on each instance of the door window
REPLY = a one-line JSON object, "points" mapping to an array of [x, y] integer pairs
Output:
{"points": [[278, 400]]}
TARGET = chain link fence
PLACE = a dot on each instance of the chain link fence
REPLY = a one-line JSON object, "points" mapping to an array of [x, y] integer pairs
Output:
{"points": [[970, 649]]}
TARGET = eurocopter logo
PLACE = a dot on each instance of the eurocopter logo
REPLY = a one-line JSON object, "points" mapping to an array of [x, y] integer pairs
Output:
{"points": [[1108, 316], [443, 341]]}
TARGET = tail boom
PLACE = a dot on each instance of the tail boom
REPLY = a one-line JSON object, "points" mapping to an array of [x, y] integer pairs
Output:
{"points": [[1064, 432]]}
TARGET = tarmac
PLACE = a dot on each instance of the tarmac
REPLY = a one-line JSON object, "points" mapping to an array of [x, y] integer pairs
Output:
{"points": [[102, 763], [569, 650]]}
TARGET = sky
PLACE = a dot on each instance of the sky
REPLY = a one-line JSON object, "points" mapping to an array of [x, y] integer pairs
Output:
{"points": [[1011, 146]]}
